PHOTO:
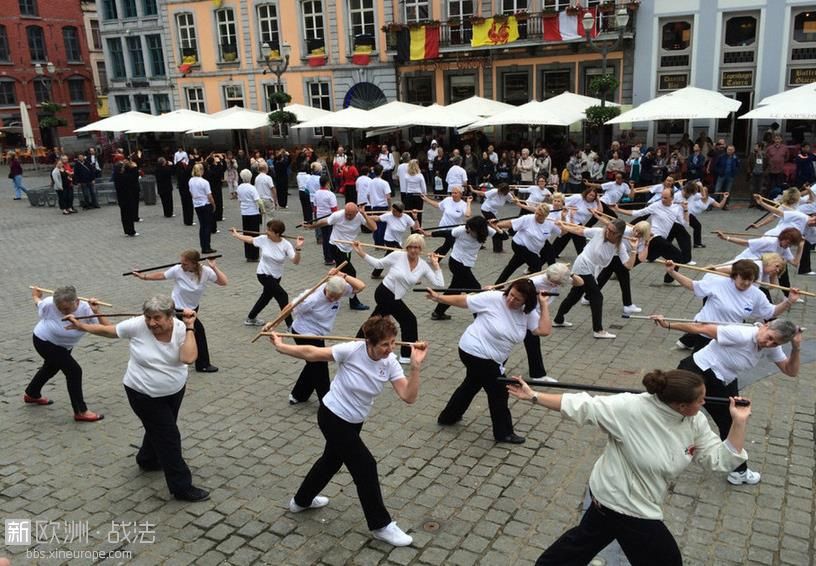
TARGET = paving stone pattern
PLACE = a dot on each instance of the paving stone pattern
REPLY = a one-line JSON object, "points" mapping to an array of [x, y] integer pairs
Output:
{"points": [[464, 499]]}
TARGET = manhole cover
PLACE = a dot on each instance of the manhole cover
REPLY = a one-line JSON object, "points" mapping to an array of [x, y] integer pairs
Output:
{"points": [[430, 526]]}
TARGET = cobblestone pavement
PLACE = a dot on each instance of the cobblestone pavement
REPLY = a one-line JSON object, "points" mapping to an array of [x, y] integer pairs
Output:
{"points": [[465, 499]]}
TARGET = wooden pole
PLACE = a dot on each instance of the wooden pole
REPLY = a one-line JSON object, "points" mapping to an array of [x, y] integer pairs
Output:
{"points": [[291, 306], [252, 233], [453, 290], [511, 281], [50, 292], [691, 320], [155, 267], [746, 234], [105, 315], [333, 338]]}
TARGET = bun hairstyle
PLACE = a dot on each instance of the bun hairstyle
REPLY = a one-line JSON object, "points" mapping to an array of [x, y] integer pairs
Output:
{"points": [[673, 386]]}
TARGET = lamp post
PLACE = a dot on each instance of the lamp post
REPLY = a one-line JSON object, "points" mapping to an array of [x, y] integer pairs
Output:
{"points": [[588, 23], [280, 66]]}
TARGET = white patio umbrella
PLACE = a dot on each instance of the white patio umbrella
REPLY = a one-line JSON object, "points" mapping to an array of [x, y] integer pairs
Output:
{"points": [[784, 110], [119, 122], [571, 102], [482, 107], [182, 120], [28, 131], [532, 113], [350, 118], [388, 115], [806, 90], [305, 113], [436, 116], [235, 118], [688, 103]]}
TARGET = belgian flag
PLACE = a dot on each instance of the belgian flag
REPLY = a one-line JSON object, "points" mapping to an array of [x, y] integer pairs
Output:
{"points": [[418, 43]]}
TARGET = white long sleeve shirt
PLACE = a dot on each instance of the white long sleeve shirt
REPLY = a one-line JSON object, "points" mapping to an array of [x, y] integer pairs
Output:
{"points": [[401, 278], [662, 217], [650, 445]]}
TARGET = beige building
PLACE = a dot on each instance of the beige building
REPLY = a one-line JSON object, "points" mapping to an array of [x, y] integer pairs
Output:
{"points": [[90, 17]]}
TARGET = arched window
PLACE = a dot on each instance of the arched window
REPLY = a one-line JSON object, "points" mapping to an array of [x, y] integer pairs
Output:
{"points": [[36, 43]]}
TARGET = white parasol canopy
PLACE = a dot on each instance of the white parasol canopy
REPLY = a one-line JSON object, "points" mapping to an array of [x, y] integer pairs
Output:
{"points": [[236, 118], [795, 104], [532, 113], [808, 90], [305, 113], [28, 132], [482, 107], [182, 120], [350, 118], [119, 123], [688, 103], [436, 116], [571, 102], [390, 114]]}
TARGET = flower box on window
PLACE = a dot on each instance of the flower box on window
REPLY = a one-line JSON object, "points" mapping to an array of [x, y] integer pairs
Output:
{"points": [[229, 52]]}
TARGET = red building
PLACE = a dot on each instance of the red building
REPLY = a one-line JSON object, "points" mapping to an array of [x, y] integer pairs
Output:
{"points": [[44, 62]]}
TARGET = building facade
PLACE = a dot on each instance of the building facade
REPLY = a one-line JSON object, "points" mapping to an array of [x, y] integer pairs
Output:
{"points": [[138, 75], [747, 49], [93, 37], [44, 60]]}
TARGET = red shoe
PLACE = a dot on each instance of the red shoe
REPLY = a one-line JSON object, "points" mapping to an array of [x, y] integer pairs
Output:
{"points": [[88, 417], [37, 400]]}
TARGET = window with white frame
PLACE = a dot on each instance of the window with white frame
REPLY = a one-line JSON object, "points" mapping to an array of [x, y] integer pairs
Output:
{"points": [[76, 90], [136, 56], [70, 37], [42, 90], [28, 8], [361, 17], [320, 97], [122, 103], [117, 58], [142, 103], [109, 11], [195, 99], [36, 43], [268, 25], [96, 35], [278, 130], [513, 6], [313, 19], [149, 7], [130, 9], [227, 35], [233, 96], [187, 36], [156, 55], [161, 103], [416, 11], [460, 8]]}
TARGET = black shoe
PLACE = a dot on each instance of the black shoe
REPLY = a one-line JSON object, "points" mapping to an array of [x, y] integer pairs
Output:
{"points": [[208, 369], [358, 307], [440, 316], [699, 245], [447, 422], [193, 494], [209, 251], [668, 279], [512, 439]]}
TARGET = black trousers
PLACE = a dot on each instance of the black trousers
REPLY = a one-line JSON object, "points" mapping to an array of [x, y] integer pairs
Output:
{"points": [[379, 233], [784, 280], [314, 377], [624, 280], [345, 447], [251, 222], [339, 256], [661, 247], [413, 201], [350, 193], [206, 224], [218, 197], [200, 335], [535, 361], [56, 359], [593, 293], [521, 255], [646, 542], [606, 210], [720, 412], [561, 242], [161, 445], [325, 235], [804, 264], [66, 197], [498, 241], [271, 289], [480, 374], [697, 230], [166, 196], [305, 205], [186, 204], [391, 244], [282, 190], [388, 305], [679, 233], [447, 245], [462, 278]]}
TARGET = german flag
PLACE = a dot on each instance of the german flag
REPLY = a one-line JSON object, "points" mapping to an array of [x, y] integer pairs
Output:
{"points": [[418, 43]]}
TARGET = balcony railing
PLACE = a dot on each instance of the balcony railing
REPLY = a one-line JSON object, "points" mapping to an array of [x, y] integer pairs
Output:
{"points": [[458, 32]]}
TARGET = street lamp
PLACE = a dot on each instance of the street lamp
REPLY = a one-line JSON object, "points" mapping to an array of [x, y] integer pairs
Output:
{"points": [[588, 23], [281, 63]]}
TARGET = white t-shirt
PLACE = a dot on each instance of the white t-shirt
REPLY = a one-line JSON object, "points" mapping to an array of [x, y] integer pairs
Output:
{"points": [[581, 213], [456, 177], [465, 246], [248, 198], [613, 192], [312, 185], [415, 184], [378, 192], [187, 291], [535, 194], [452, 212], [734, 351], [199, 189], [402, 173], [316, 313], [662, 217], [598, 253], [766, 244], [494, 201], [543, 285], [362, 184], [51, 327], [273, 255], [344, 229], [154, 367], [324, 201], [696, 204], [180, 156], [358, 381], [497, 329], [265, 186], [396, 228], [400, 278], [726, 303], [790, 219], [531, 234]]}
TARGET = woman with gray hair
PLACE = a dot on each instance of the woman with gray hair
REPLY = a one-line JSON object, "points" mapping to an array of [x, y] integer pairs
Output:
{"points": [[54, 343], [252, 208], [161, 347], [734, 349]]}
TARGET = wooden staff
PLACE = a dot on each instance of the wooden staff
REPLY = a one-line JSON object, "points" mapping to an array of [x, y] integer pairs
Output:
{"points": [[602, 389], [252, 233], [50, 292], [378, 247], [291, 306], [771, 202], [453, 290], [105, 315], [333, 338], [632, 203], [746, 234], [641, 317], [610, 217], [760, 283], [313, 220], [492, 220], [155, 267], [511, 281]]}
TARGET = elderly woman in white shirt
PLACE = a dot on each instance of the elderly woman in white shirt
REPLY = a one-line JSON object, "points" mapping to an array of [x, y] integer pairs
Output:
{"points": [[653, 437], [155, 380], [405, 269], [398, 224], [252, 208], [455, 211], [363, 369]]}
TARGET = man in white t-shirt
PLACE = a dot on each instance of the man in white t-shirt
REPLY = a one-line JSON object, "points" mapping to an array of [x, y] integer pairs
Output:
{"points": [[266, 187], [456, 176], [181, 157]]}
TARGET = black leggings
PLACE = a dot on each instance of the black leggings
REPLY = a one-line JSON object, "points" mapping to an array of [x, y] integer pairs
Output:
{"points": [[521, 255], [391, 244], [339, 256], [315, 375], [561, 242], [344, 446], [462, 278], [388, 305], [251, 222], [645, 542], [206, 225], [480, 374], [593, 293], [498, 239], [624, 281], [271, 289], [804, 264], [697, 230], [413, 201], [56, 359], [447, 244], [535, 361], [203, 359]]}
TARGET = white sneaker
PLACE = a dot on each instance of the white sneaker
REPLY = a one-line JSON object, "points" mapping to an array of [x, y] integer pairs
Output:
{"points": [[797, 300], [540, 380], [392, 534], [254, 322], [810, 273], [317, 502], [293, 401], [603, 334], [691, 263], [632, 309], [748, 476], [564, 324], [680, 346], [584, 301], [404, 360]]}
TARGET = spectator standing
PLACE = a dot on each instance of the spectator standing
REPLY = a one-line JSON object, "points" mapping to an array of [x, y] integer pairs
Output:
{"points": [[16, 176]]}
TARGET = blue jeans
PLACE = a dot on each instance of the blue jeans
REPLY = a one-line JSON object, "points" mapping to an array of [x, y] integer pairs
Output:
{"points": [[723, 184], [19, 189]]}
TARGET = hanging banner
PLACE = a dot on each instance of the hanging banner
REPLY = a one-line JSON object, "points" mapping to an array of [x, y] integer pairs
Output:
{"points": [[495, 31]]}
